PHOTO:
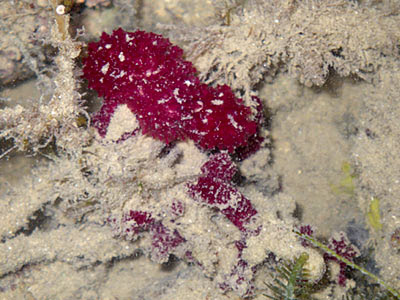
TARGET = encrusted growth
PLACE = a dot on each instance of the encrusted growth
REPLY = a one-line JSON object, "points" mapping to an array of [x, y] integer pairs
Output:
{"points": [[309, 39]]}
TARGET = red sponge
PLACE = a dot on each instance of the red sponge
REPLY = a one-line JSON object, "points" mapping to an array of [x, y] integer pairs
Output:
{"points": [[146, 72]]}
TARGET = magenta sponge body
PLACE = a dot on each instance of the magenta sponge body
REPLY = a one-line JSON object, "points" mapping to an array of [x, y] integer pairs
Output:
{"points": [[147, 73]]}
